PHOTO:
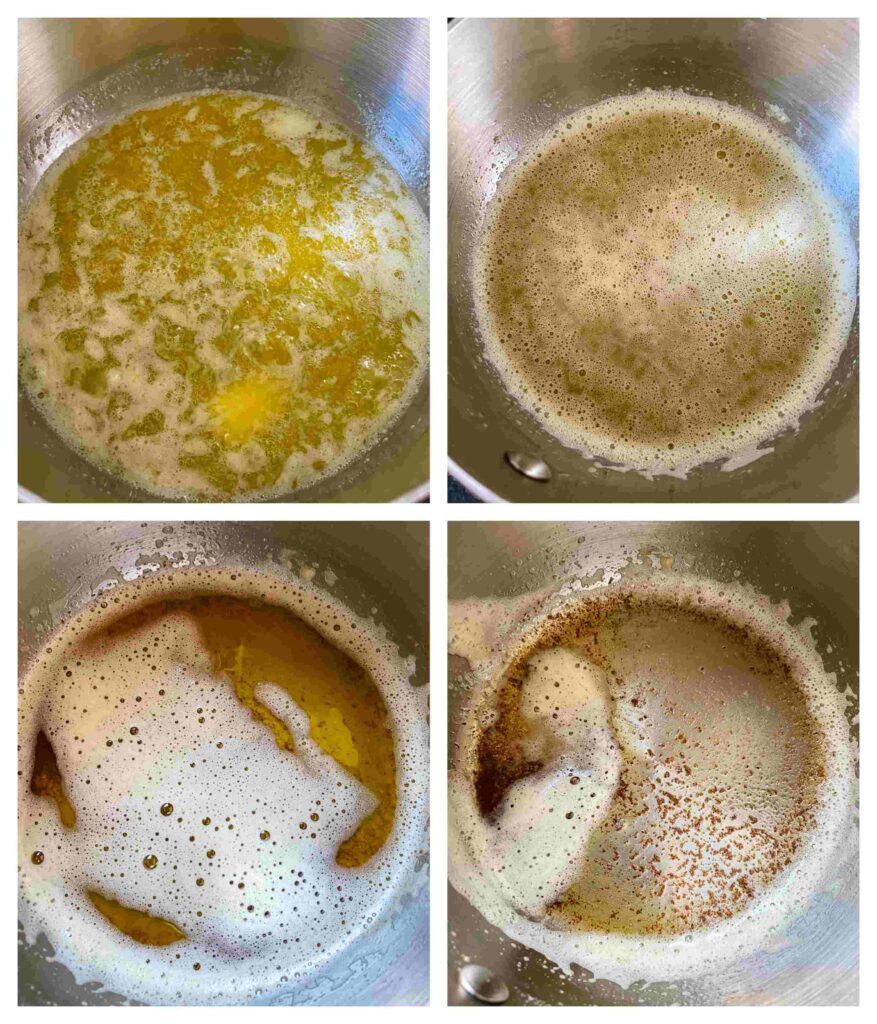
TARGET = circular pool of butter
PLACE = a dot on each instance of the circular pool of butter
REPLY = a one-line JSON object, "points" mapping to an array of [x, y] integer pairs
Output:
{"points": [[650, 781], [231, 836], [222, 296]]}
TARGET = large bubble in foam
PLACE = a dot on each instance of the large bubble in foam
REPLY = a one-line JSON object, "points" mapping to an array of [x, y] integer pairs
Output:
{"points": [[662, 281], [271, 832]]}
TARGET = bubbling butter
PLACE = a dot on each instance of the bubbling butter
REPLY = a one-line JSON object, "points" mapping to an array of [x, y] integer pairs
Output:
{"points": [[247, 762], [222, 296], [650, 779], [662, 281]]}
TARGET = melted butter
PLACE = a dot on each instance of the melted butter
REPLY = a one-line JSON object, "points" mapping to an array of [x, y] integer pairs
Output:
{"points": [[187, 807], [223, 297], [663, 282], [240, 410], [253, 644], [46, 780], [137, 924], [703, 777]]}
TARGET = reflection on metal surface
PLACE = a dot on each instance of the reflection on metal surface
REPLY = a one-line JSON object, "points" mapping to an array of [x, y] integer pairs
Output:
{"points": [[482, 984], [529, 466]]}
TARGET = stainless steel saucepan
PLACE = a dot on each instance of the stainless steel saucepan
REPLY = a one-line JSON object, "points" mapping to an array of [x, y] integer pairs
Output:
{"points": [[374, 569], [814, 566], [509, 81], [75, 74]]}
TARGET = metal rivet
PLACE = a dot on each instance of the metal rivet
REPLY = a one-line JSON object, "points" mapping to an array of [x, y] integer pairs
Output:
{"points": [[482, 984], [529, 466]]}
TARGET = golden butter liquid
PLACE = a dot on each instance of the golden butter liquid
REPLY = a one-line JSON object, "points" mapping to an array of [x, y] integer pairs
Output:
{"points": [[662, 282], [223, 297], [137, 924]]}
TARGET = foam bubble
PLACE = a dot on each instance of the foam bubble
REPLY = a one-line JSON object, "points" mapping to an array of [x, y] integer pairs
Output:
{"points": [[228, 815], [662, 281]]}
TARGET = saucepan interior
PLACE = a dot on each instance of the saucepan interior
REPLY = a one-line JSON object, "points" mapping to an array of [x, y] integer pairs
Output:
{"points": [[76, 74], [366, 567], [509, 81], [814, 566]]}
